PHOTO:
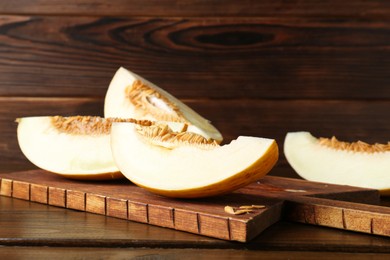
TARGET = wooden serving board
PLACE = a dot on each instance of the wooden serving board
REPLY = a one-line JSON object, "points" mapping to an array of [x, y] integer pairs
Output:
{"points": [[336, 206]]}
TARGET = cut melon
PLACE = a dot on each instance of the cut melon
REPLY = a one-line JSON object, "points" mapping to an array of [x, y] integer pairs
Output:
{"points": [[75, 147], [131, 96], [332, 161], [187, 165]]}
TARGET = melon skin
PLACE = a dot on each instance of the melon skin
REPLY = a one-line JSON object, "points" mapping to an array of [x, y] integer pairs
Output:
{"points": [[190, 171], [316, 162], [86, 157], [117, 104]]}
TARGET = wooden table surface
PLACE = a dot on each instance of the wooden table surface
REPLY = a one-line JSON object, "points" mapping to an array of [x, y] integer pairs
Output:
{"points": [[260, 68], [37, 231]]}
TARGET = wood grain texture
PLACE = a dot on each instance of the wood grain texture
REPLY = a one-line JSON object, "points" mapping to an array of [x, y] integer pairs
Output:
{"points": [[253, 67], [39, 193], [202, 58], [21, 190], [125, 253], [111, 199], [117, 208], [209, 218], [35, 225], [271, 8], [339, 214], [74, 199]]}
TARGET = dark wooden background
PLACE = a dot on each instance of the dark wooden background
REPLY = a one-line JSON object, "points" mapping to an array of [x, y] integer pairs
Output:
{"points": [[260, 68]]}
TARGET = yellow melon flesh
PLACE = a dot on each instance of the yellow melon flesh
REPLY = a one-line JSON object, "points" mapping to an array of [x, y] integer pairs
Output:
{"points": [[314, 161], [73, 155], [190, 170], [131, 96]]}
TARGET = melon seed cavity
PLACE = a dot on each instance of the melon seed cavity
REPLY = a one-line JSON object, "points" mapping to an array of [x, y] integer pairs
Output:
{"points": [[162, 135], [151, 102], [90, 125], [358, 146]]}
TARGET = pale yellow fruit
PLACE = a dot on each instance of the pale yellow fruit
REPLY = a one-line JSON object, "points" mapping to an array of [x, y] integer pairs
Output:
{"points": [[332, 161], [131, 96], [186, 165], [75, 147]]}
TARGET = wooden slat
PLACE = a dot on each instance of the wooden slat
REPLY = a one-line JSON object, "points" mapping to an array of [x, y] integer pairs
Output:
{"points": [[95, 203], [198, 8], [75, 200], [21, 190], [6, 187], [117, 208], [138, 211], [202, 58], [56, 196], [39, 193]]}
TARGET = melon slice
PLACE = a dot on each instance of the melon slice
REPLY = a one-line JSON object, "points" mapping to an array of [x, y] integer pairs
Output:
{"points": [[187, 165], [75, 147], [332, 161], [131, 96]]}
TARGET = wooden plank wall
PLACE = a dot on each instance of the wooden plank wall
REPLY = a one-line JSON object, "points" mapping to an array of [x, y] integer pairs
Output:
{"points": [[259, 68]]}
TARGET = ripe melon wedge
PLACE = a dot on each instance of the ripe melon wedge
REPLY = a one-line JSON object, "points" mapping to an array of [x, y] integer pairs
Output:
{"points": [[180, 165], [131, 96], [331, 161], [75, 147]]}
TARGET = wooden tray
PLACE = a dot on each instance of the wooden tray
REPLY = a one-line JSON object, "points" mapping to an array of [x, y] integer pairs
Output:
{"points": [[336, 206]]}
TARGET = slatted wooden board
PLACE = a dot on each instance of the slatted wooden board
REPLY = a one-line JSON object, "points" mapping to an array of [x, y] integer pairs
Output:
{"points": [[321, 204]]}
